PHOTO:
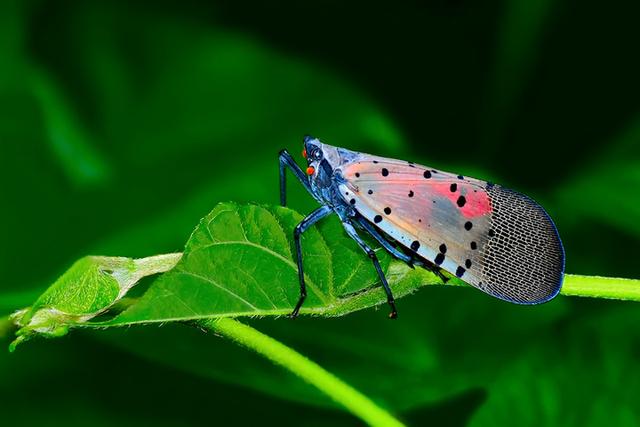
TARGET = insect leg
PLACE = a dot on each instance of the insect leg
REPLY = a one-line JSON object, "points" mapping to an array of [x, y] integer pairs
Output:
{"points": [[286, 161], [400, 255], [371, 253], [303, 226], [438, 272], [384, 242]]}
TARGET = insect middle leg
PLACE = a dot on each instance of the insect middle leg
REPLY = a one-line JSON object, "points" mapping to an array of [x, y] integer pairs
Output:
{"points": [[303, 226], [286, 161], [351, 231], [384, 242], [400, 255]]}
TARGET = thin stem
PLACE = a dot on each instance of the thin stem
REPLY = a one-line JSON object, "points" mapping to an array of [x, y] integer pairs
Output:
{"points": [[354, 401], [601, 287]]}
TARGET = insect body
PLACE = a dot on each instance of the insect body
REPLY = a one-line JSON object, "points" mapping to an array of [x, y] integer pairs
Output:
{"points": [[493, 238]]}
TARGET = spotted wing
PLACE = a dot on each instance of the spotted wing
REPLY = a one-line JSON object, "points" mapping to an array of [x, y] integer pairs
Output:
{"points": [[495, 239]]}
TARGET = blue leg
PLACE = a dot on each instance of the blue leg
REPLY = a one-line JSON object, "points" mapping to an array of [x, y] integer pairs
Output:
{"points": [[303, 226], [372, 255], [286, 161], [384, 242], [396, 253]]}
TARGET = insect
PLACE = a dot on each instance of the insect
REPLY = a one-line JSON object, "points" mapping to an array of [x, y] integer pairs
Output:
{"points": [[493, 238]]}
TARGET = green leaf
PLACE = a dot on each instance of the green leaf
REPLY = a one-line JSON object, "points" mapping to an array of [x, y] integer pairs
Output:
{"points": [[240, 262], [89, 287], [69, 141], [587, 361], [605, 184], [521, 30]]}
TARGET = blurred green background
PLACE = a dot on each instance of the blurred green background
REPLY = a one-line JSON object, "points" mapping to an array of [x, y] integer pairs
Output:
{"points": [[122, 124]]}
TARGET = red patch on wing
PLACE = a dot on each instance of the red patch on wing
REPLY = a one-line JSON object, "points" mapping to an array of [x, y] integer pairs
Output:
{"points": [[474, 201]]}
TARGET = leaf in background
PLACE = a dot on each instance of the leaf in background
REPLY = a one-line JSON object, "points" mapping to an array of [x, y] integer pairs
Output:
{"points": [[520, 32], [240, 262], [77, 382], [422, 355], [606, 190], [69, 142], [159, 100], [177, 89], [12, 34], [581, 375]]}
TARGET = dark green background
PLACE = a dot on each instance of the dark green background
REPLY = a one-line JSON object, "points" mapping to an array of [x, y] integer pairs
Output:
{"points": [[122, 124]]}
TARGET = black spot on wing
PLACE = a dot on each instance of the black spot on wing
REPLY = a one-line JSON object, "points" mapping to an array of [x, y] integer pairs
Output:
{"points": [[377, 219], [461, 201], [467, 263], [427, 174], [453, 187], [370, 192], [460, 271], [384, 172], [468, 225], [439, 259], [387, 210], [474, 245], [410, 193], [443, 248], [415, 245]]}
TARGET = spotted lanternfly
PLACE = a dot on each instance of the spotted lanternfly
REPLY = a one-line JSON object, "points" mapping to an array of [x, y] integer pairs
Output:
{"points": [[493, 238]]}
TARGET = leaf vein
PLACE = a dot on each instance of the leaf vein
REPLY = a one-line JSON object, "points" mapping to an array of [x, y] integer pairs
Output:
{"points": [[214, 283], [324, 298]]}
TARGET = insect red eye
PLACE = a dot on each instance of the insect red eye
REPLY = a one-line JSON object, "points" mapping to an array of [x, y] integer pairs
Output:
{"points": [[310, 170], [304, 153]]}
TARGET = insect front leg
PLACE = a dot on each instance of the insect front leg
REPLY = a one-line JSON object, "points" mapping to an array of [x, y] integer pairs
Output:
{"points": [[286, 161], [372, 255], [303, 226]]}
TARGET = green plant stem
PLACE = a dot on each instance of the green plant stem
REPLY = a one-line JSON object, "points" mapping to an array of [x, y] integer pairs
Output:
{"points": [[354, 401], [601, 287]]}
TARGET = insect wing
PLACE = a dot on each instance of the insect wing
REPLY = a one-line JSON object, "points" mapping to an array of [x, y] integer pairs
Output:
{"points": [[495, 239]]}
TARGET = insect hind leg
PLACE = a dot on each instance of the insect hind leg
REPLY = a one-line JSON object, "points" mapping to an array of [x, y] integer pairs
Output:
{"points": [[351, 231]]}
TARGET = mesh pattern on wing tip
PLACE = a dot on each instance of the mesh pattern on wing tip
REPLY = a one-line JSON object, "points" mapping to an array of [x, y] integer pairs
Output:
{"points": [[523, 261]]}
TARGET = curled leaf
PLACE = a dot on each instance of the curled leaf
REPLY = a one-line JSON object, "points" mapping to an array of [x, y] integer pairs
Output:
{"points": [[89, 287]]}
